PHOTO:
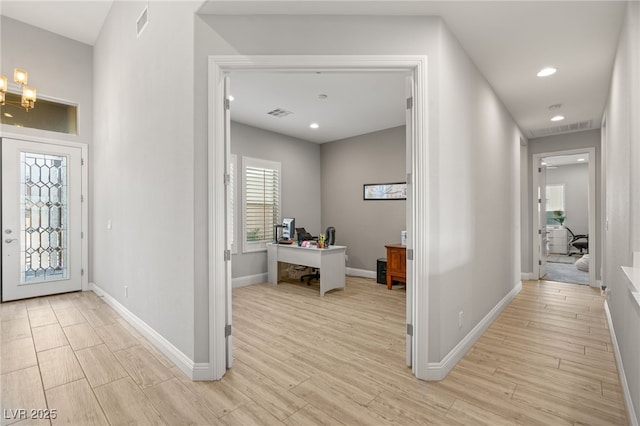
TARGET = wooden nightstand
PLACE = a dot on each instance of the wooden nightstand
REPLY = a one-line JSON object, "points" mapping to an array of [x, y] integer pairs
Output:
{"points": [[396, 264]]}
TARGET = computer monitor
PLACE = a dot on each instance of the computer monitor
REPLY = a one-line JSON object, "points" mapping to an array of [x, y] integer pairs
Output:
{"points": [[288, 228]]}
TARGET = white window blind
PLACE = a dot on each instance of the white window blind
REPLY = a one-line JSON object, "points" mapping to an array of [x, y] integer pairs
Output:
{"points": [[261, 202]]}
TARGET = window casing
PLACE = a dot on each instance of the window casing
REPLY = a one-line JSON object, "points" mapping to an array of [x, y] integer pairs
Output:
{"points": [[261, 202]]}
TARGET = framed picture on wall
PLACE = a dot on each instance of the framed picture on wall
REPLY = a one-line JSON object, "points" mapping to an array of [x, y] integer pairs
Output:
{"points": [[385, 191]]}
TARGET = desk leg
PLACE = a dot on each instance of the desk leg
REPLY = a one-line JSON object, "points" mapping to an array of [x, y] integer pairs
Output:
{"points": [[389, 281], [272, 264], [332, 272]]}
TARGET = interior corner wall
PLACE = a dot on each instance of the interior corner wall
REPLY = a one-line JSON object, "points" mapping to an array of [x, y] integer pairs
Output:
{"points": [[363, 226], [621, 149], [59, 68], [475, 201], [300, 177], [566, 142], [142, 175]]}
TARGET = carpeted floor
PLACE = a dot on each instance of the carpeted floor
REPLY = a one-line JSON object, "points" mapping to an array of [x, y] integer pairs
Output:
{"points": [[565, 272]]}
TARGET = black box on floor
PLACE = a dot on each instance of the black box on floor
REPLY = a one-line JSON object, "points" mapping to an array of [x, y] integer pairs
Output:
{"points": [[382, 271]]}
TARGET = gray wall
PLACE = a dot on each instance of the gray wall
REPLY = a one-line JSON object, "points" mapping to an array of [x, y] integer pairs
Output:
{"points": [[300, 198], [565, 142], [575, 179], [363, 226], [621, 153]]}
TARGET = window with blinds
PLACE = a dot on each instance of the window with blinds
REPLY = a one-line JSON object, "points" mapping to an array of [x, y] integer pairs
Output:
{"points": [[261, 206]]}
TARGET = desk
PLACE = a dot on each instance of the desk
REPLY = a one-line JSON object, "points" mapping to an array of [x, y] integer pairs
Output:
{"points": [[331, 262], [396, 264]]}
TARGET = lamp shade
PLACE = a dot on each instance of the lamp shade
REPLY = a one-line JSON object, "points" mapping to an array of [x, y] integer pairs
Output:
{"points": [[20, 76], [29, 93]]}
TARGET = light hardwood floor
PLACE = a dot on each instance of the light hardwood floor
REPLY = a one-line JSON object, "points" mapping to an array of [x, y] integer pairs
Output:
{"points": [[305, 360]]}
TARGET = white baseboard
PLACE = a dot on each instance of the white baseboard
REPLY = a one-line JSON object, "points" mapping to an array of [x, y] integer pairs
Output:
{"points": [[439, 370], [249, 280], [527, 276], [361, 273], [196, 371], [628, 401]]}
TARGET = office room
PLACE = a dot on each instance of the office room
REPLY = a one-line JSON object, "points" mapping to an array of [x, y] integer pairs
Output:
{"points": [[360, 140]]}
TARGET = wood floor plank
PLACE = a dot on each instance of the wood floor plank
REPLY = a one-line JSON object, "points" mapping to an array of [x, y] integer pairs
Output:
{"points": [[21, 389], [100, 366], [49, 337], [82, 336], [124, 403], [75, 404], [311, 416], [143, 368], [178, 405], [17, 354], [59, 366]]}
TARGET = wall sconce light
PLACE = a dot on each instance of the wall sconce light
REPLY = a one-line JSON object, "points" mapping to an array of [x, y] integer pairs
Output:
{"points": [[21, 77]]}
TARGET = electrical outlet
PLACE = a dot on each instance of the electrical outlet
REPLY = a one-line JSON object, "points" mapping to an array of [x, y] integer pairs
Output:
{"points": [[126, 291], [460, 318]]}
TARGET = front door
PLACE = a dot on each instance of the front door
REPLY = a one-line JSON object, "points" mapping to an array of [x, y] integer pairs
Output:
{"points": [[41, 219]]}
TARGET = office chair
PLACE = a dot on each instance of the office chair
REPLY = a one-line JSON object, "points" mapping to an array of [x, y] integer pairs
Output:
{"points": [[330, 239], [579, 242]]}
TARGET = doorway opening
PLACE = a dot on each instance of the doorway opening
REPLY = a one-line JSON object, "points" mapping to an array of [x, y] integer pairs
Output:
{"points": [[417, 194], [564, 220]]}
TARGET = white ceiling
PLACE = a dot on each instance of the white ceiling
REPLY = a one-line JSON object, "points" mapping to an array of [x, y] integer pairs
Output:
{"points": [[509, 41]]}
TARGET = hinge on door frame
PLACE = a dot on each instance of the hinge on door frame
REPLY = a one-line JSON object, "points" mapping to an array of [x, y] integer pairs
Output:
{"points": [[82, 272], [539, 231], [82, 161], [227, 104], [227, 330], [227, 255], [409, 254], [227, 179], [82, 198], [408, 178], [81, 235], [539, 262], [410, 103], [410, 329], [539, 169]]}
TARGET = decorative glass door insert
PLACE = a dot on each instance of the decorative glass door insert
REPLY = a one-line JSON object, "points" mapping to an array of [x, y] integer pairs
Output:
{"points": [[44, 218]]}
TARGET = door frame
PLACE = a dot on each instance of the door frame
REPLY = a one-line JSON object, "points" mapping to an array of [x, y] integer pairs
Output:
{"points": [[84, 190], [591, 208], [417, 180]]}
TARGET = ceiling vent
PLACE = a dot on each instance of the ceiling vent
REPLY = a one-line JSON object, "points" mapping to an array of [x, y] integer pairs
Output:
{"points": [[142, 21], [565, 128], [279, 112]]}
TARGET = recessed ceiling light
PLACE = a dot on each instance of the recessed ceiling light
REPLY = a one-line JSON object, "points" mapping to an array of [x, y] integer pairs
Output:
{"points": [[557, 118], [543, 163], [314, 125], [546, 72], [231, 98], [322, 96], [581, 159]]}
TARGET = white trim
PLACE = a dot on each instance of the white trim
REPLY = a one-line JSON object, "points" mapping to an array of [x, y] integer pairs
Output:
{"points": [[593, 248], [361, 273], [250, 280], [84, 182], [195, 371], [628, 400], [439, 370], [528, 276], [417, 269]]}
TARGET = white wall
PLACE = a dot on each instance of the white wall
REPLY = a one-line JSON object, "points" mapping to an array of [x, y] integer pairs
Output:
{"points": [[475, 208], [621, 152], [142, 175], [473, 144], [575, 178]]}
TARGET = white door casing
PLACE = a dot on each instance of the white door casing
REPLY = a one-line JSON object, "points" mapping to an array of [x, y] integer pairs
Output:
{"points": [[418, 170], [43, 218], [543, 233]]}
